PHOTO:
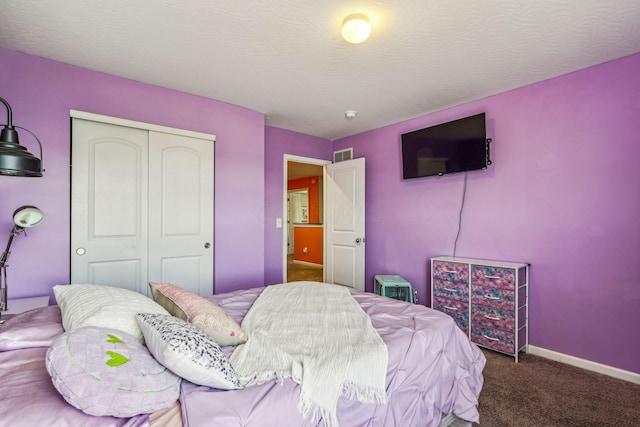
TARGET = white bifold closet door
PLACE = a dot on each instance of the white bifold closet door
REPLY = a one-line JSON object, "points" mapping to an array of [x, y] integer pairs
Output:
{"points": [[141, 207]]}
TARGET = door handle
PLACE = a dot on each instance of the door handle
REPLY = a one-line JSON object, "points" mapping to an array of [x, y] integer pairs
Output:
{"points": [[207, 245], [359, 240], [81, 251]]}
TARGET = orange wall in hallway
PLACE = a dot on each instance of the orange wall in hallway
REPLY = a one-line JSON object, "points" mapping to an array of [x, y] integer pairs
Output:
{"points": [[310, 238], [310, 183]]}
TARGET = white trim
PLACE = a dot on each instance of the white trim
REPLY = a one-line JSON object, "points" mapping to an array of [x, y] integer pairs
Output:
{"points": [[285, 175], [138, 125], [453, 421], [310, 264], [621, 374]]}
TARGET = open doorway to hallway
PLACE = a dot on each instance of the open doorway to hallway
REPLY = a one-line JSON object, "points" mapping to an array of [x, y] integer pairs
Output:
{"points": [[304, 210]]}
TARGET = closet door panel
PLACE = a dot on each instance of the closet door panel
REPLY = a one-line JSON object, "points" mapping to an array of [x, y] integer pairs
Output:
{"points": [[114, 202], [109, 180], [181, 270], [118, 273], [181, 211]]}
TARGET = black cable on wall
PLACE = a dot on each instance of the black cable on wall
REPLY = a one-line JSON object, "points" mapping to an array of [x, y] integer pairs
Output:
{"points": [[464, 195]]}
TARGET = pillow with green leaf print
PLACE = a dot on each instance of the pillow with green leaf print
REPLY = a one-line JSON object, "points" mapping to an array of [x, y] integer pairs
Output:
{"points": [[104, 371]]}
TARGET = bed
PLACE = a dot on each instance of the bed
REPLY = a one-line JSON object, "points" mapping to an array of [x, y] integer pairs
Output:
{"points": [[433, 376]]}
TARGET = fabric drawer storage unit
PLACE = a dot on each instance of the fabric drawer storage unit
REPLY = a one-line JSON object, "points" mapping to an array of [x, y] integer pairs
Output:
{"points": [[487, 299], [393, 286]]}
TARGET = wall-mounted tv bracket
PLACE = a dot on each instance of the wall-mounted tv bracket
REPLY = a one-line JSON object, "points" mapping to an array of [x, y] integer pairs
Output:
{"points": [[488, 151]]}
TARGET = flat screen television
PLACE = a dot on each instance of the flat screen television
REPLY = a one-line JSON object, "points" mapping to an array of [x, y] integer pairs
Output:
{"points": [[457, 146]]}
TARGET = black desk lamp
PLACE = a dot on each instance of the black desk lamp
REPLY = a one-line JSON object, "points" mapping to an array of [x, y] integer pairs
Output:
{"points": [[24, 217], [15, 160]]}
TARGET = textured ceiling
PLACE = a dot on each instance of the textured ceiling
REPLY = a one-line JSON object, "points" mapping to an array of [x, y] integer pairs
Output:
{"points": [[285, 58]]}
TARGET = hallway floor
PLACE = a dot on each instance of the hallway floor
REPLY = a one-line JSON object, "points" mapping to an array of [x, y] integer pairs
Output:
{"points": [[297, 271]]}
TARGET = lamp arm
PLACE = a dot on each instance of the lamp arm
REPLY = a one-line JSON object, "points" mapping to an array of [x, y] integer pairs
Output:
{"points": [[6, 104], [5, 255], [4, 305]]}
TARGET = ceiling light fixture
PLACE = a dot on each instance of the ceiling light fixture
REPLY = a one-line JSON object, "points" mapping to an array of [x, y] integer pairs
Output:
{"points": [[350, 114], [356, 28]]}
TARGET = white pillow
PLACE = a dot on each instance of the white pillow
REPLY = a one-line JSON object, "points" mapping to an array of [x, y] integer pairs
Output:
{"points": [[187, 351], [103, 306]]}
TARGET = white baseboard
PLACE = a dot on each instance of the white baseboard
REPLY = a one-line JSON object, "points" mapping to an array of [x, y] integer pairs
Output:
{"points": [[453, 421], [310, 264], [585, 364]]}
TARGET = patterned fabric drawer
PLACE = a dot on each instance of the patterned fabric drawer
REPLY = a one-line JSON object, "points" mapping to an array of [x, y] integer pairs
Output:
{"points": [[457, 309], [494, 339], [447, 289], [493, 277], [453, 272], [499, 299], [484, 316]]}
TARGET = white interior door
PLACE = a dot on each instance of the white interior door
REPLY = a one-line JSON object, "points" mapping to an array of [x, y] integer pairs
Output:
{"points": [[141, 208], [109, 208], [181, 212], [345, 223]]}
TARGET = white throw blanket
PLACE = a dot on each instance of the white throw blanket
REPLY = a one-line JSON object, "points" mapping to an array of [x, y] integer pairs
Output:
{"points": [[318, 335]]}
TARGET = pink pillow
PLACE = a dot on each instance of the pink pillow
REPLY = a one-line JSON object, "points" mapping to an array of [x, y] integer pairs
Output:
{"points": [[201, 312]]}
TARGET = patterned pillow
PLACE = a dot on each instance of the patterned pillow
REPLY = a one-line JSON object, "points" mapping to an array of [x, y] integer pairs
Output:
{"points": [[104, 371], [103, 306], [198, 310], [187, 351]]}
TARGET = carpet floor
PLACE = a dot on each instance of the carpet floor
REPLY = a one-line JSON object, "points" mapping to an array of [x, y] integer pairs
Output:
{"points": [[539, 392]]}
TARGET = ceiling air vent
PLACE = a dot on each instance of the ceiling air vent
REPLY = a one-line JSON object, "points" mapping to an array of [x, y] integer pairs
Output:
{"points": [[342, 155]]}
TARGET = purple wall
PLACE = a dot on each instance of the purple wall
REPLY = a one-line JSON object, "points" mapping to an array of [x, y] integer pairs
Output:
{"points": [[563, 194], [41, 93], [279, 142]]}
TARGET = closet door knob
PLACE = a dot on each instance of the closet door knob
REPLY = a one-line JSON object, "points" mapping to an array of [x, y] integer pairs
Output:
{"points": [[207, 245], [81, 251]]}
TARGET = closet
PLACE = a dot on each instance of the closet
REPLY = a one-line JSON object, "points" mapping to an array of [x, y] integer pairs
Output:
{"points": [[141, 204]]}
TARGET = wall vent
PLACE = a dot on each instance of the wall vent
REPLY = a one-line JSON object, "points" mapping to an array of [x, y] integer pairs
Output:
{"points": [[342, 155]]}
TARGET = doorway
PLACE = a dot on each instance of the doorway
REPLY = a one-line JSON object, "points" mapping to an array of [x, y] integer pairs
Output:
{"points": [[303, 208]]}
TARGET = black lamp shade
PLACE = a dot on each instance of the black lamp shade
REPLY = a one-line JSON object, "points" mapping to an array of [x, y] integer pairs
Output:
{"points": [[15, 160]]}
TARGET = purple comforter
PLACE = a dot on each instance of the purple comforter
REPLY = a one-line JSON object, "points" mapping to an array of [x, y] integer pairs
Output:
{"points": [[28, 396], [433, 370]]}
